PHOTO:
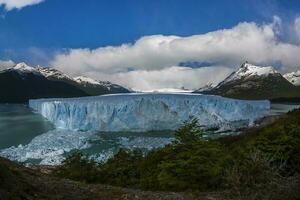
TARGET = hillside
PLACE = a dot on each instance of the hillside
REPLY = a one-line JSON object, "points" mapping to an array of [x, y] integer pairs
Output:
{"points": [[22, 82], [293, 77], [21, 183], [254, 83], [93, 87]]}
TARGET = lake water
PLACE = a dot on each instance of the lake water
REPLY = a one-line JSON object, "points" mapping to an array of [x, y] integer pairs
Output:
{"points": [[18, 125], [28, 137]]}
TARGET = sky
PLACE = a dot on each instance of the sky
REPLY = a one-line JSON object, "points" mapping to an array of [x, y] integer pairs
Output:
{"points": [[151, 44]]}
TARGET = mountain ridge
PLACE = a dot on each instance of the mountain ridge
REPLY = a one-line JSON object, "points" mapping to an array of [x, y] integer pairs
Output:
{"points": [[23, 82], [293, 77], [253, 82]]}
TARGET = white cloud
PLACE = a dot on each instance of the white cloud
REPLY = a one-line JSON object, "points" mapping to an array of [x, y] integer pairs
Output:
{"points": [[4, 64], [172, 77], [18, 4], [297, 27], [143, 63]]}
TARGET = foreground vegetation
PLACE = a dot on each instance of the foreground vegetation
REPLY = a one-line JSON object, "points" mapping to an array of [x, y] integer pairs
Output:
{"points": [[258, 164]]}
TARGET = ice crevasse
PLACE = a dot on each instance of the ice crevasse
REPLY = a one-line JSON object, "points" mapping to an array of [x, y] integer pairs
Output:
{"points": [[147, 111]]}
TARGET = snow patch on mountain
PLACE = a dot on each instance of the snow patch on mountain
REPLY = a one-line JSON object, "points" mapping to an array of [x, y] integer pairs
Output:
{"points": [[248, 70], [110, 86], [23, 69], [86, 80], [207, 87], [53, 73], [293, 77]]}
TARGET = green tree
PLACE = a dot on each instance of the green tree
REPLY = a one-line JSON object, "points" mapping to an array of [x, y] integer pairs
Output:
{"points": [[189, 132]]}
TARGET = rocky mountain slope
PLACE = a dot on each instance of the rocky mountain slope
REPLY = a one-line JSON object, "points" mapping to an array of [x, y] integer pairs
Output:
{"points": [[255, 82], [22, 82], [293, 77], [93, 87], [88, 85]]}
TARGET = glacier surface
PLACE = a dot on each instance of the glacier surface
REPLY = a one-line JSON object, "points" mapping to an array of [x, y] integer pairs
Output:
{"points": [[148, 111]]}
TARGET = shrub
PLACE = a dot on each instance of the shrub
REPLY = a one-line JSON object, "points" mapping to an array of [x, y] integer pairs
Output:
{"points": [[256, 177], [122, 169], [78, 167], [259, 164]]}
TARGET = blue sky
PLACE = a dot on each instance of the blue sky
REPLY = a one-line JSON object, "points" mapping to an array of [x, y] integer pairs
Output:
{"points": [[56, 24], [38, 33]]}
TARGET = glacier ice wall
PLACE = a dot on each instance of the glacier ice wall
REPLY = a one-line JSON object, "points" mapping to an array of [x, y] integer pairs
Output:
{"points": [[148, 111]]}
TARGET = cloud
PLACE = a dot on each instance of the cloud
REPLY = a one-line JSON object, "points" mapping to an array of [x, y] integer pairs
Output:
{"points": [[151, 57], [4, 64], [18, 4], [297, 27], [172, 77]]}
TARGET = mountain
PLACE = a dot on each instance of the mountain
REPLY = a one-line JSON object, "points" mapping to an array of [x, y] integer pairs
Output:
{"points": [[54, 74], [255, 82], [293, 77], [93, 87], [22, 82], [88, 85], [205, 88]]}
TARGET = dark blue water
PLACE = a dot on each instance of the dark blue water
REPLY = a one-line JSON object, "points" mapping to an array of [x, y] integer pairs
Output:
{"points": [[18, 125]]}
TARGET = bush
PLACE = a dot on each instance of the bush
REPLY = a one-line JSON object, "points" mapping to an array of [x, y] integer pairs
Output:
{"points": [[122, 169], [198, 166], [260, 164], [189, 163], [78, 167], [256, 177]]}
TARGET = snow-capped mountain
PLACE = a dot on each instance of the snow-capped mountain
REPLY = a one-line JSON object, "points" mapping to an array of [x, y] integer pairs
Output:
{"points": [[207, 87], [293, 77], [86, 80], [248, 71], [254, 82], [94, 87], [88, 85], [53, 74], [23, 69], [23, 82]]}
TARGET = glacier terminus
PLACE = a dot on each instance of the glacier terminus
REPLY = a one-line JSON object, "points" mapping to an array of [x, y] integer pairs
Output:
{"points": [[148, 111]]}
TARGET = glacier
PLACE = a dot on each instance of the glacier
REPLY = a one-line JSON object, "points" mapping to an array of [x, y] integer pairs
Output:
{"points": [[140, 112], [52, 147], [49, 148]]}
